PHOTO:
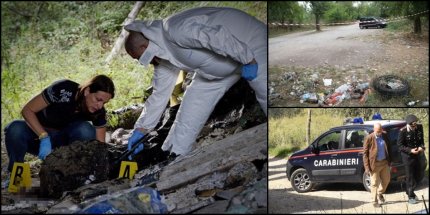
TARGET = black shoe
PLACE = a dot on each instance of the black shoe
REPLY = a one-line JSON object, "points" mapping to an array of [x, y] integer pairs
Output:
{"points": [[376, 205]]}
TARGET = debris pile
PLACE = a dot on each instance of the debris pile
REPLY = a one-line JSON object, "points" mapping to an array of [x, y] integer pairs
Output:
{"points": [[72, 166]]}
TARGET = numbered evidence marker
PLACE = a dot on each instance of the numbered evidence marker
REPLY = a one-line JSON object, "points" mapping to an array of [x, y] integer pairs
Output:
{"points": [[20, 177], [127, 170]]}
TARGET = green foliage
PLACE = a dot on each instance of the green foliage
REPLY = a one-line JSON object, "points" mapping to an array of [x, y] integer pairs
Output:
{"points": [[339, 12], [319, 7], [46, 41], [290, 12]]}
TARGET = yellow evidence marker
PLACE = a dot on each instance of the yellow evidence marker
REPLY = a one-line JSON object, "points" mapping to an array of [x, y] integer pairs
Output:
{"points": [[20, 177], [127, 169]]}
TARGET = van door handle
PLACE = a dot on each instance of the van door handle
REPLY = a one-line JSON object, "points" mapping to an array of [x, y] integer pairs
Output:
{"points": [[334, 155]]}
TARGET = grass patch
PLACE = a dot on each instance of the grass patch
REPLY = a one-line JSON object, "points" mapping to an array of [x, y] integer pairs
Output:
{"points": [[288, 134], [402, 25], [282, 151]]}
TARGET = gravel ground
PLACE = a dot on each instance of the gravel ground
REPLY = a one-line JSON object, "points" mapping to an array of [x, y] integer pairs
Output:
{"points": [[326, 198]]}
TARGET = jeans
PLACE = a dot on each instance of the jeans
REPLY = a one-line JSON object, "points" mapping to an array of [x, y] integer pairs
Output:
{"points": [[20, 139]]}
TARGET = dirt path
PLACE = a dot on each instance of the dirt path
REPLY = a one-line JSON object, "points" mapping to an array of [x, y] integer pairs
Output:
{"points": [[326, 198]]}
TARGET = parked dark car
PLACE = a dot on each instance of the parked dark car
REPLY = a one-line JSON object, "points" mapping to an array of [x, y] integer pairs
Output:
{"points": [[337, 156], [366, 22]]}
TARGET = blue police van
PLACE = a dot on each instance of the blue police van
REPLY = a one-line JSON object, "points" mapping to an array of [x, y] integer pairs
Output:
{"points": [[337, 156]]}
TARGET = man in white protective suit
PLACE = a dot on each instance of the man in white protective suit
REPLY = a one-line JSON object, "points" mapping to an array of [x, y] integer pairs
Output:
{"points": [[220, 45]]}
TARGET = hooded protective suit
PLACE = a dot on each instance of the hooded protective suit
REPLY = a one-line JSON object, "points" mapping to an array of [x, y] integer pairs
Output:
{"points": [[212, 42]]}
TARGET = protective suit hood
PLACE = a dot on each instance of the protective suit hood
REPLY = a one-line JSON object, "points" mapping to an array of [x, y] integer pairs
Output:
{"points": [[153, 30]]}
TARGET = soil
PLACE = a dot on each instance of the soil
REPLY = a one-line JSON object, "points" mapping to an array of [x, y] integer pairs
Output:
{"points": [[334, 198]]}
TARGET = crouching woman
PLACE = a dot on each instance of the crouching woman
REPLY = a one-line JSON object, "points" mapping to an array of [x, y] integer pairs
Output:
{"points": [[58, 116]]}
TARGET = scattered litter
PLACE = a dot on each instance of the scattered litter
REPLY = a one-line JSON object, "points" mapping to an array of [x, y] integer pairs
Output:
{"points": [[363, 86], [310, 97], [412, 103], [334, 99], [133, 200], [343, 88], [327, 82], [365, 96]]}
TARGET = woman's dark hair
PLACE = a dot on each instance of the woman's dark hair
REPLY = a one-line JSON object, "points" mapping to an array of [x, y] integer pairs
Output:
{"points": [[97, 83]]}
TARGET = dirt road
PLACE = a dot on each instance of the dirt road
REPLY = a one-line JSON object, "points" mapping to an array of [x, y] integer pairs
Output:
{"points": [[326, 198], [334, 45]]}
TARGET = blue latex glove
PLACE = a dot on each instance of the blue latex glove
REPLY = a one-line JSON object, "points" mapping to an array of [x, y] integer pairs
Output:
{"points": [[249, 71], [137, 135], [45, 147]]}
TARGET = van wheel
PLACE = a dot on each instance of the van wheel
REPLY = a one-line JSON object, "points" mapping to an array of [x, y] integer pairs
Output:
{"points": [[301, 181], [366, 181]]}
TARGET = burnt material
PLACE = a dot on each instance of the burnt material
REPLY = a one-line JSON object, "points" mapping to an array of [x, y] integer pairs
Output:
{"points": [[70, 167]]}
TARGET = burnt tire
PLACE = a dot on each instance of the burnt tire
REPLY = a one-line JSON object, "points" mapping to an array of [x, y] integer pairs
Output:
{"points": [[366, 181], [384, 85], [301, 181]]}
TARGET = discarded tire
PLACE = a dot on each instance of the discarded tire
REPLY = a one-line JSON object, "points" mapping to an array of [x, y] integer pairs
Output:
{"points": [[391, 85], [71, 166]]}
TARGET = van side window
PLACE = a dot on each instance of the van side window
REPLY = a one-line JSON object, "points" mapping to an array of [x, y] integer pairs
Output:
{"points": [[329, 142], [355, 138]]}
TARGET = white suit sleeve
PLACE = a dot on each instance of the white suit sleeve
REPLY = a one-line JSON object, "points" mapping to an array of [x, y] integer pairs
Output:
{"points": [[215, 38], [163, 82]]}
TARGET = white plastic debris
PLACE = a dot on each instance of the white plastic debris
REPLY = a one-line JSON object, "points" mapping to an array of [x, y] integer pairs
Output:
{"points": [[327, 82]]}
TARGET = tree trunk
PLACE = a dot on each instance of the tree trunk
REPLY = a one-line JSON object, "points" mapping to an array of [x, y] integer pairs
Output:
{"points": [[317, 22], [308, 130], [124, 34], [417, 25]]}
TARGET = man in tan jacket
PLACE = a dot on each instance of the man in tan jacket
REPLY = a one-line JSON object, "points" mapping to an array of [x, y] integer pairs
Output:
{"points": [[376, 158]]}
